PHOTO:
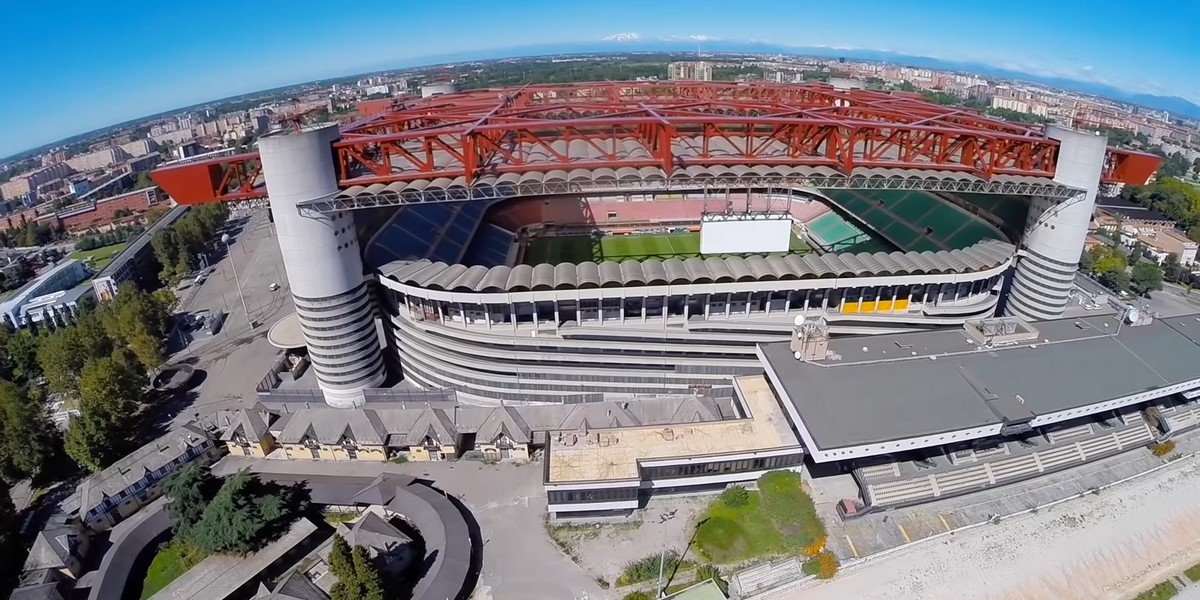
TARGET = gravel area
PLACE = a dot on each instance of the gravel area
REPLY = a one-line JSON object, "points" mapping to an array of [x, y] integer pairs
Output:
{"points": [[603, 549], [1108, 546]]}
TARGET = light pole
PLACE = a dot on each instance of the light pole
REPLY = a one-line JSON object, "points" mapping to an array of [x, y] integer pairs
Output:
{"points": [[236, 281], [662, 557]]}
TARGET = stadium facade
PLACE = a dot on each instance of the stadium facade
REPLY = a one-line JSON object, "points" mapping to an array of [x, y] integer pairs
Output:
{"points": [[906, 215]]}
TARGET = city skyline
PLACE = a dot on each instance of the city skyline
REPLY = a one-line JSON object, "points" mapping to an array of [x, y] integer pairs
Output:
{"points": [[211, 59]]}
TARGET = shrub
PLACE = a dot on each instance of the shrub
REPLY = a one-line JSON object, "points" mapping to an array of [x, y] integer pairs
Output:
{"points": [[735, 496], [646, 568], [824, 565], [638, 595], [815, 547], [707, 572], [1162, 448]]}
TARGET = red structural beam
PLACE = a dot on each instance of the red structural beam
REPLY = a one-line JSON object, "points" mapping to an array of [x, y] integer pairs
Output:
{"points": [[517, 130]]}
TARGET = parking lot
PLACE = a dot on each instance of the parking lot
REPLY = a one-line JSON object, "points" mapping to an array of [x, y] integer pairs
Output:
{"points": [[237, 356]]}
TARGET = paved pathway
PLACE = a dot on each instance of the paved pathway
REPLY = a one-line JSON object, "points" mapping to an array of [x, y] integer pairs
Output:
{"points": [[519, 560]]}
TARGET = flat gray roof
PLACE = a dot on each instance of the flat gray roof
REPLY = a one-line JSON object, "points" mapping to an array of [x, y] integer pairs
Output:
{"points": [[883, 388]]}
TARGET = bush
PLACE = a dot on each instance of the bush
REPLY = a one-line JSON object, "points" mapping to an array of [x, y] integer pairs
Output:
{"points": [[707, 572], [638, 595], [815, 547], [646, 568], [1162, 448], [735, 496], [824, 565]]}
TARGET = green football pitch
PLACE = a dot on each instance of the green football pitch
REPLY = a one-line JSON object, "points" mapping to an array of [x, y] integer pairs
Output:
{"points": [[576, 249]]}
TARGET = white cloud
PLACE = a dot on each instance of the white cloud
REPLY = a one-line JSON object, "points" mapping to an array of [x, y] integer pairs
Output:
{"points": [[623, 37], [695, 37]]}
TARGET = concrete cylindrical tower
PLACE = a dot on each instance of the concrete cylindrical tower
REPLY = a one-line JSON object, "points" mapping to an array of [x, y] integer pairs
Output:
{"points": [[324, 265], [1055, 230]]}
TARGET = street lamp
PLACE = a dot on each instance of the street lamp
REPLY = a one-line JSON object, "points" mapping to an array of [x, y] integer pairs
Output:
{"points": [[225, 240], [662, 557]]}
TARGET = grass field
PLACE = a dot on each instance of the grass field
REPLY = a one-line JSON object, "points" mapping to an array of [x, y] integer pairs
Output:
{"points": [[619, 248], [778, 519], [1162, 591], [172, 560], [100, 256]]}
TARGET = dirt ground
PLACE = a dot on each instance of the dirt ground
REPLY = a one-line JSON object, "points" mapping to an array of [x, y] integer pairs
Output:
{"points": [[1107, 546], [603, 549]]}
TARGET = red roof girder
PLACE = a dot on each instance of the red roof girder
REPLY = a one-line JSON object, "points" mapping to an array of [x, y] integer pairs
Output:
{"points": [[481, 132]]}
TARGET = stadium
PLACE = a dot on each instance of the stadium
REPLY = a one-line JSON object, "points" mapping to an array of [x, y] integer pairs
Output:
{"points": [[582, 241]]}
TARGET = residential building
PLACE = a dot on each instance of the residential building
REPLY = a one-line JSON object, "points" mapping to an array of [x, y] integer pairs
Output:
{"points": [[140, 147], [102, 215], [97, 160], [248, 434], [136, 263], [1117, 212], [294, 586], [698, 70], [35, 300], [60, 547], [390, 550], [23, 186], [442, 430], [188, 149], [1165, 242], [80, 186], [136, 479]]}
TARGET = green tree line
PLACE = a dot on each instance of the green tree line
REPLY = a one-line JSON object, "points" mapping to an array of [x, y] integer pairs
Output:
{"points": [[1172, 197], [99, 363], [179, 246]]}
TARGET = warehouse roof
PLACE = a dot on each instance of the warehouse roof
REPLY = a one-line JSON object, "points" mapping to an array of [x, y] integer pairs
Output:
{"points": [[896, 387]]}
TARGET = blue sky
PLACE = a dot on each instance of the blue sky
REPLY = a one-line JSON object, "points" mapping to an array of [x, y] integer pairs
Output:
{"points": [[74, 65]]}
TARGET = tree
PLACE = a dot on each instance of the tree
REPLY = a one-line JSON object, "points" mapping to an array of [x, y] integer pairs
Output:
{"points": [[62, 354], [139, 320], [10, 544], [27, 437], [1173, 271], [340, 561], [144, 181], [358, 578], [232, 521], [1105, 259], [1147, 277], [370, 583], [108, 391], [87, 443], [188, 491], [245, 515], [1117, 281]]}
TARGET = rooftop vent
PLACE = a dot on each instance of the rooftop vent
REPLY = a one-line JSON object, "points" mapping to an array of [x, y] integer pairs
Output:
{"points": [[1000, 331]]}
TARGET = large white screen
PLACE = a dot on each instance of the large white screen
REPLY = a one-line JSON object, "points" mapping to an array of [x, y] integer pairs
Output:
{"points": [[741, 234]]}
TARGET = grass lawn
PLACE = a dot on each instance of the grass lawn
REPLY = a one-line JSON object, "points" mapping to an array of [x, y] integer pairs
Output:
{"points": [[1193, 573], [778, 519], [100, 256], [172, 560], [335, 517], [575, 249], [1162, 591]]}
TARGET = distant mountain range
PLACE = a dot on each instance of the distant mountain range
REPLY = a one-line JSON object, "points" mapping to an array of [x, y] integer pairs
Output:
{"points": [[632, 42], [628, 42]]}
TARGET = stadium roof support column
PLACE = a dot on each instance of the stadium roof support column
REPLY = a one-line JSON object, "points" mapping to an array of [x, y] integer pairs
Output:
{"points": [[324, 265], [1054, 233]]}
